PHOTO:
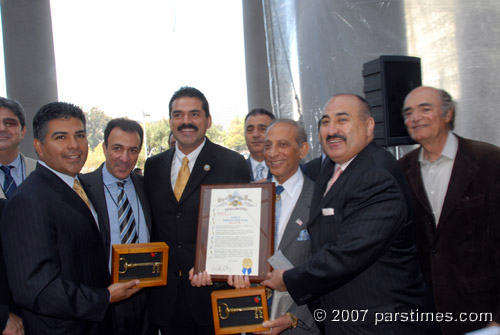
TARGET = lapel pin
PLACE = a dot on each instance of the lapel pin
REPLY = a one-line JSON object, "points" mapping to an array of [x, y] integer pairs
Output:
{"points": [[299, 222], [206, 167]]}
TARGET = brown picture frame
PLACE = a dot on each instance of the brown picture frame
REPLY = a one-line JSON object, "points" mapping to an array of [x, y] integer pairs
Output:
{"points": [[266, 236], [249, 303], [152, 255]]}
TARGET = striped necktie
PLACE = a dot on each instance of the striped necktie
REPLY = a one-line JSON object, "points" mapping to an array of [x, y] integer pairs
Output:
{"points": [[9, 184], [259, 169], [126, 220]]}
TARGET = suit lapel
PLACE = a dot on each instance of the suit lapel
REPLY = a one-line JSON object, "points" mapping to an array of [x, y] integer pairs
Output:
{"points": [[139, 190], [414, 175], [300, 212], [250, 168], [461, 176]]}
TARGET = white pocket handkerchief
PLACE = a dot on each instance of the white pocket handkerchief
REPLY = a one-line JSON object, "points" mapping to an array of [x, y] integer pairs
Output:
{"points": [[328, 211]]}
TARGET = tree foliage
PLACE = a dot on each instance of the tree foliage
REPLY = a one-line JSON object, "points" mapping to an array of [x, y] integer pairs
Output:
{"points": [[235, 137], [96, 123]]}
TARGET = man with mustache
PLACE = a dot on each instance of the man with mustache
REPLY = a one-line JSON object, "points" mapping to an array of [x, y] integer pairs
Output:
{"points": [[363, 262], [172, 180], [14, 166], [256, 123], [113, 185], [456, 188]]}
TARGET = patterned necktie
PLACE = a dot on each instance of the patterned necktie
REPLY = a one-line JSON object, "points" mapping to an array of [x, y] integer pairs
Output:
{"points": [[258, 171], [81, 192], [128, 229], [182, 178], [9, 185], [277, 214], [336, 175]]}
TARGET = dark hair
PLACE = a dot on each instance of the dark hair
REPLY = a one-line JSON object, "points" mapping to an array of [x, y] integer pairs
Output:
{"points": [[260, 111], [300, 135], [54, 111], [16, 108], [128, 126], [187, 91], [447, 103]]}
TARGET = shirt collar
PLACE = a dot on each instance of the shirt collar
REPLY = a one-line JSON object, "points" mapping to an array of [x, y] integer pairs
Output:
{"points": [[449, 151], [69, 180], [110, 180], [254, 163], [293, 183], [16, 163], [191, 156]]}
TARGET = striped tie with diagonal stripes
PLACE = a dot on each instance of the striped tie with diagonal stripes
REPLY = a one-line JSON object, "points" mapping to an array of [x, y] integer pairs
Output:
{"points": [[126, 220]]}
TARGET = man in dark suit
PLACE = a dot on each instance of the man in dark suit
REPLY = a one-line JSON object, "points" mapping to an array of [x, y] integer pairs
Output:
{"points": [[10, 323], [108, 185], [256, 122], [285, 146], [456, 188], [313, 167], [361, 225], [172, 180], [53, 250]]}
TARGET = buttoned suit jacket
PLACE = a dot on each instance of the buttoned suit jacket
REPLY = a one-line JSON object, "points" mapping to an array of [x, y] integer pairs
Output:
{"points": [[297, 251], [29, 164], [364, 255], [55, 258], [460, 257], [93, 183], [176, 223]]}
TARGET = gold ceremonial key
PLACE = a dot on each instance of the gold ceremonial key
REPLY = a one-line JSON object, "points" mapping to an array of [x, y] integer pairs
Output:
{"points": [[126, 265], [258, 312]]}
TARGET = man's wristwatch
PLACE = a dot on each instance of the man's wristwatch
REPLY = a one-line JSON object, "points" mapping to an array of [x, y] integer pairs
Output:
{"points": [[295, 320]]}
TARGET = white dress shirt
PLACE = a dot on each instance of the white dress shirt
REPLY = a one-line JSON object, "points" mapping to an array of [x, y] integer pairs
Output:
{"points": [[177, 161]]}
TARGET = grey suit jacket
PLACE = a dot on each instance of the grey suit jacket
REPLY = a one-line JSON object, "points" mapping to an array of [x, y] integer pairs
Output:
{"points": [[93, 184], [297, 252], [29, 164]]}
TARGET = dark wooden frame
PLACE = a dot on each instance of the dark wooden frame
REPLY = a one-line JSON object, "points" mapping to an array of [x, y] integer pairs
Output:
{"points": [[266, 227], [237, 293], [121, 250]]}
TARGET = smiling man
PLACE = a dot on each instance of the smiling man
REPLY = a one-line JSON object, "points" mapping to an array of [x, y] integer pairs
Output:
{"points": [[120, 193], [172, 181], [256, 123], [456, 187], [53, 249], [361, 225]]}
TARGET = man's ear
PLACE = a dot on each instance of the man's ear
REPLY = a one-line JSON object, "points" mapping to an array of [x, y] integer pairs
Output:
{"points": [[303, 150], [38, 147]]}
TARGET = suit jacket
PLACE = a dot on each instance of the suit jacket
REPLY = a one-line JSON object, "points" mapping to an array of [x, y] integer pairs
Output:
{"points": [[55, 258], [461, 257], [313, 167], [4, 284], [252, 178], [176, 223], [29, 165], [93, 184], [297, 250], [364, 255]]}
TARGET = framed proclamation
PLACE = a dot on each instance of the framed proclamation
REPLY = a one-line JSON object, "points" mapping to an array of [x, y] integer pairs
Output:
{"points": [[144, 261], [235, 230], [240, 310]]}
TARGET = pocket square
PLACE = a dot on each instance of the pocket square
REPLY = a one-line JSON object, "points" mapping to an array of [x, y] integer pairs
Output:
{"points": [[328, 211], [304, 235]]}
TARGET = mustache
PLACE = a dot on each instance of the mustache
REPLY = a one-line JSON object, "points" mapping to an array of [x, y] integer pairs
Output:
{"points": [[331, 137], [187, 126]]}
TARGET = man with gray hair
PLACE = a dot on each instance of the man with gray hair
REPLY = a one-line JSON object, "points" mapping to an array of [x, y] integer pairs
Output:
{"points": [[456, 189], [14, 166]]}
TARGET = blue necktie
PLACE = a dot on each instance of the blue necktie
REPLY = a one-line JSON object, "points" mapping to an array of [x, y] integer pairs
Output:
{"points": [[128, 230], [9, 185], [258, 171], [277, 214]]}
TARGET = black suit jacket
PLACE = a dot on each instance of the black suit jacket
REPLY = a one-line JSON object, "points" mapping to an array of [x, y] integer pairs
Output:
{"points": [[4, 284], [176, 222], [55, 258], [93, 184], [461, 257], [364, 255]]}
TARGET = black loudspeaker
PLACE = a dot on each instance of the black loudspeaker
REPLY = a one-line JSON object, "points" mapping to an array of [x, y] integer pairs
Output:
{"points": [[387, 81]]}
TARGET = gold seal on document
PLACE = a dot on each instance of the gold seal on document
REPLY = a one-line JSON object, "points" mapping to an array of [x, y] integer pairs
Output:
{"points": [[247, 263]]}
